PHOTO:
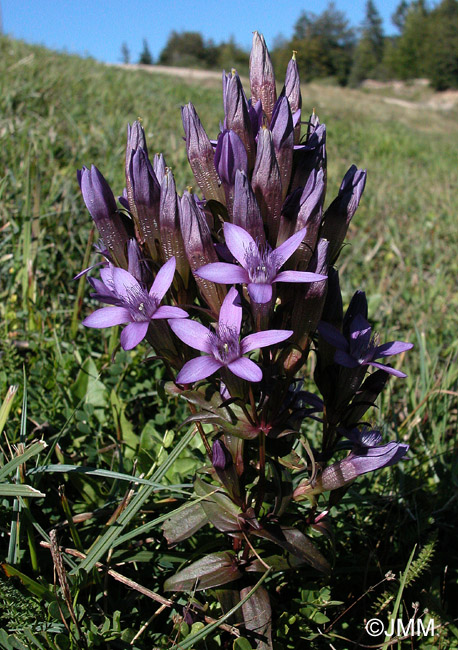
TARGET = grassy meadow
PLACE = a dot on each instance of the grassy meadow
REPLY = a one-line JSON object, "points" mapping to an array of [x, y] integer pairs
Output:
{"points": [[101, 409]]}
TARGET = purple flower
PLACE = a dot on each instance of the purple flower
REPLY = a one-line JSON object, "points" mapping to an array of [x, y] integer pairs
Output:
{"points": [[134, 305], [223, 347], [259, 267], [361, 349], [366, 458]]}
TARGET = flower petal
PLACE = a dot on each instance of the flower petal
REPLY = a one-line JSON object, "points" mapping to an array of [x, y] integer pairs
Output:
{"points": [[223, 273], [260, 293], [164, 311], [246, 369], [230, 314], [133, 334], [238, 241], [197, 369], [332, 335], [395, 347], [125, 284], [163, 280], [192, 333], [263, 339], [344, 359], [108, 317], [391, 371], [299, 276], [285, 250]]}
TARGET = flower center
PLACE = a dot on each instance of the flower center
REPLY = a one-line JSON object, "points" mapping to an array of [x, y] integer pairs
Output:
{"points": [[226, 346], [260, 265], [140, 305]]}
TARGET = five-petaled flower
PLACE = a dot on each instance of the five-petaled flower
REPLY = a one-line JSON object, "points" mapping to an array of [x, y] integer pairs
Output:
{"points": [[259, 266], [133, 303], [360, 348], [223, 347]]}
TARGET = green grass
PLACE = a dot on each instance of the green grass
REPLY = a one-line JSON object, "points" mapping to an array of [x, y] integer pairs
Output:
{"points": [[58, 113]]}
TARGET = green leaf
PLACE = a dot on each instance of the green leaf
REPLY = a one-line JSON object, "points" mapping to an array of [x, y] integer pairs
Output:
{"points": [[13, 490], [210, 571], [33, 586], [242, 644], [130, 439], [34, 449], [89, 388]]}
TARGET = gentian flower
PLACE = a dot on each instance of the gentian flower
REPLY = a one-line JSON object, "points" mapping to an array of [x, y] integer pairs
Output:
{"points": [[362, 459], [367, 455], [134, 305], [259, 267], [361, 349], [223, 347]]}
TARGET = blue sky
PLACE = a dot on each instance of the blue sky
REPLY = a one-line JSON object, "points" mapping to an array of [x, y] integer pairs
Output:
{"points": [[98, 27]]}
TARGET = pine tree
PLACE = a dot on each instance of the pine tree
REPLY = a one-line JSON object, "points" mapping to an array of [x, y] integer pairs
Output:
{"points": [[369, 50], [145, 55]]}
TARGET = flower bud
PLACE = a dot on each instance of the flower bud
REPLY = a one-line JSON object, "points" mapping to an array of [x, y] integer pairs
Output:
{"points": [[221, 457], [230, 156], [146, 196], [237, 115], [311, 156], [282, 130], [339, 214], [201, 155], [246, 213], [100, 202], [267, 185], [159, 167], [262, 78], [292, 92], [200, 250], [169, 221]]}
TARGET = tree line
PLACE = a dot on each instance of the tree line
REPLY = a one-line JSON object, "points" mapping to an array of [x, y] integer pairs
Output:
{"points": [[328, 47]]}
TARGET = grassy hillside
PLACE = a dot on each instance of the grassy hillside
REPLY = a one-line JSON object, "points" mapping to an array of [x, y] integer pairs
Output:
{"points": [[59, 112]]}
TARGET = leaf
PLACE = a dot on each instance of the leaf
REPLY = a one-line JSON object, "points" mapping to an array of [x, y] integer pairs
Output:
{"points": [[33, 450], [34, 587], [257, 615], [13, 490], [88, 387], [296, 543], [219, 509], [210, 571], [130, 439], [228, 599], [184, 523], [242, 644], [275, 562]]}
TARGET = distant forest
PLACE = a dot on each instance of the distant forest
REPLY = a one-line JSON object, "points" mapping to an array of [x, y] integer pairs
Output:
{"points": [[327, 47]]}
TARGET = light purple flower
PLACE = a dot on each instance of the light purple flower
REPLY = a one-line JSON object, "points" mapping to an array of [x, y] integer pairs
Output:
{"points": [[134, 305], [361, 349], [259, 266], [365, 458], [223, 347]]}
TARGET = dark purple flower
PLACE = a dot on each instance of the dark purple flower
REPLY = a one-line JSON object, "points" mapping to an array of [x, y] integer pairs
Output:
{"points": [[134, 305], [259, 267], [361, 349], [223, 348], [221, 456]]}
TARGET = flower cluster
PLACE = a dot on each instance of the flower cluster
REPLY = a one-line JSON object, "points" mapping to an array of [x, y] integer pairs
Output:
{"points": [[234, 288]]}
